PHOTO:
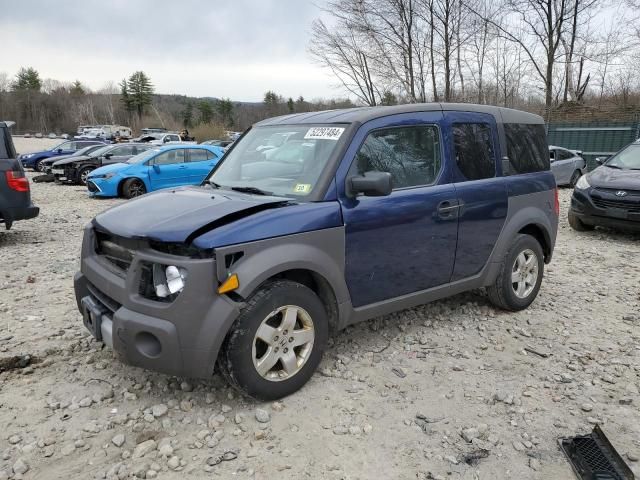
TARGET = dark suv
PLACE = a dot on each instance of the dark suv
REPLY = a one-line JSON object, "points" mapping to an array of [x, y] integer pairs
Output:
{"points": [[15, 196], [360, 213], [609, 196]]}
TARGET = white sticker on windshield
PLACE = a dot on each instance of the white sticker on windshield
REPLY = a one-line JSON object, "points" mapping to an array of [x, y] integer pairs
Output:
{"points": [[324, 133]]}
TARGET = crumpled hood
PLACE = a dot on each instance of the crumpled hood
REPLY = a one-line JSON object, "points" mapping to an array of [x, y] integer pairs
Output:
{"points": [[66, 160], [114, 167], [605, 177], [180, 215]]}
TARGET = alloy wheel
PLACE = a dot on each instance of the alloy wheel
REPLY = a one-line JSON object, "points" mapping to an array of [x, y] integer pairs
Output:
{"points": [[283, 343], [524, 273]]}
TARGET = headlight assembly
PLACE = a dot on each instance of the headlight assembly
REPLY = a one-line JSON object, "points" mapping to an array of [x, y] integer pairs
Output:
{"points": [[582, 183], [168, 280]]}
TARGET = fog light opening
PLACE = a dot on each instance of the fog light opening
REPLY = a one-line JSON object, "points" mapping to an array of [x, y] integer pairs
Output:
{"points": [[148, 344]]}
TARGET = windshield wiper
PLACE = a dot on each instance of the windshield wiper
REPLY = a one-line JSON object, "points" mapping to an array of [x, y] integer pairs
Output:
{"points": [[214, 184], [254, 190], [613, 166]]}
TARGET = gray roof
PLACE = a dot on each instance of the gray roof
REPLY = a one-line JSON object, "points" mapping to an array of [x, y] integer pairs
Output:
{"points": [[364, 114]]}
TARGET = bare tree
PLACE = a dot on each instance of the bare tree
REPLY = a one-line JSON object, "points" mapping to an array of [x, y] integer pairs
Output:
{"points": [[342, 52]]}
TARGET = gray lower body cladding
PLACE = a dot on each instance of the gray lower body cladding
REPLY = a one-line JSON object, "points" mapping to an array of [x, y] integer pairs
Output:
{"points": [[183, 337]]}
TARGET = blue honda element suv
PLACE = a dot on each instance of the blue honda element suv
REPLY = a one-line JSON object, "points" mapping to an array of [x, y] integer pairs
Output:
{"points": [[313, 222]]}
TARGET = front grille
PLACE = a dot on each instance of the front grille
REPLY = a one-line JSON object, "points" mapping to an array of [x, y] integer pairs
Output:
{"points": [[106, 301], [92, 187], [631, 207], [109, 248]]}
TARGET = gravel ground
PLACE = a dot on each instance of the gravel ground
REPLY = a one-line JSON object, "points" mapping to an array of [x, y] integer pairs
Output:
{"points": [[445, 390]]}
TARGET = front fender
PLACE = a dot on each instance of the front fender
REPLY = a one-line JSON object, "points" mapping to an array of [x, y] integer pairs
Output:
{"points": [[320, 251]]}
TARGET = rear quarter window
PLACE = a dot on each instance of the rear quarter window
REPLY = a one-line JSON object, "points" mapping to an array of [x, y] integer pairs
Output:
{"points": [[527, 148], [6, 144]]}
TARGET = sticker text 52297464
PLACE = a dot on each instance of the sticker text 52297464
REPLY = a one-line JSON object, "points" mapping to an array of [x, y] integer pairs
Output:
{"points": [[324, 133]]}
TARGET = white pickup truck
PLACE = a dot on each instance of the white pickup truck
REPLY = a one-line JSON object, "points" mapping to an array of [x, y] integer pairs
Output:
{"points": [[165, 138]]}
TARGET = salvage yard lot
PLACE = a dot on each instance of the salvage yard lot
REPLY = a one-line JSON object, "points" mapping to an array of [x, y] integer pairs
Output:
{"points": [[445, 390]]}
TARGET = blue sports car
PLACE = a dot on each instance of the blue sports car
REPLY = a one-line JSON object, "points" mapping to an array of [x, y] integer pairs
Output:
{"points": [[35, 160], [162, 167]]}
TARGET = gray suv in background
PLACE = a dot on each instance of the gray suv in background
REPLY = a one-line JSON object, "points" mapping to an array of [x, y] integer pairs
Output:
{"points": [[15, 196]]}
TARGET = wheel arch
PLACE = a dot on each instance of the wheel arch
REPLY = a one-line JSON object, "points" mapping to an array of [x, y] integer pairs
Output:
{"points": [[124, 179]]}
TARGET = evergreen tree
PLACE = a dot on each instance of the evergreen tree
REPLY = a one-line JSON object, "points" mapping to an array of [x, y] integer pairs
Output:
{"points": [[206, 111], [140, 91], [388, 98], [187, 115], [77, 90], [291, 105], [125, 98], [224, 108], [27, 80]]}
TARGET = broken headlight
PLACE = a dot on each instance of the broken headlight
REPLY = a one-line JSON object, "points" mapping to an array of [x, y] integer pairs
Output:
{"points": [[168, 280]]}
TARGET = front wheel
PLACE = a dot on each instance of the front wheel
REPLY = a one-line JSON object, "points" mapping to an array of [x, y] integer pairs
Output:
{"points": [[39, 166], [518, 282], [83, 174], [577, 224], [277, 342], [133, 187]]}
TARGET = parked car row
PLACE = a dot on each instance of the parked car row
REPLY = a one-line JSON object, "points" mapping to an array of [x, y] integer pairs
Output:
{"points": [[35, 160], [154, 168]]}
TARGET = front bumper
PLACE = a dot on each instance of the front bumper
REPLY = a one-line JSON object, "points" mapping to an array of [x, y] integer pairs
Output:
{"points": [[102, 187], [602, 208], [179, 338]]}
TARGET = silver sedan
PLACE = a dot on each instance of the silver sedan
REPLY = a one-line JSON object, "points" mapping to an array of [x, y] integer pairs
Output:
{"points": [[567, 165]]}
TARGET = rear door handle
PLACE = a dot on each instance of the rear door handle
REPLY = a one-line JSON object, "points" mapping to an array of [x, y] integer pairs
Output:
{"points": [[449, 209], [182, 166]]}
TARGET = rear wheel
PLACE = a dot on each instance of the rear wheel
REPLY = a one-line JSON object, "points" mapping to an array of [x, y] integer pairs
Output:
{"points": [[277, 342], [133, 187], [574, 178], [81, 179], [577, 224], [518, 282]]}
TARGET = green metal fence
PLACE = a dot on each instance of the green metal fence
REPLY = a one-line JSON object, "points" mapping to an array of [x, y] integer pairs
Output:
{"points": [[594, 139]]}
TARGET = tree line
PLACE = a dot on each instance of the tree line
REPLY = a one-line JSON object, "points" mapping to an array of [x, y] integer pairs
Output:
{"points": [[515, 53], [46, 105]]}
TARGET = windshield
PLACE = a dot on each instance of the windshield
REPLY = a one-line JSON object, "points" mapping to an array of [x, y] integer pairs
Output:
{"points": [[279, 160], [628, 159], [101, 151], [63, 146], [86, 150], [144, 156]]}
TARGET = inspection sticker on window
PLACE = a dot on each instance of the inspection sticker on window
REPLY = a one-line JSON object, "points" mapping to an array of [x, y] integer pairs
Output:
{"points": [[324, 133], [302, 188]]}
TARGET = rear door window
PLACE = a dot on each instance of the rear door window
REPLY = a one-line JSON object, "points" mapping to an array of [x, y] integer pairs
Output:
{"points": [[527, 148], [170, 157], [474, 152], [197, 155], [410, 154]]}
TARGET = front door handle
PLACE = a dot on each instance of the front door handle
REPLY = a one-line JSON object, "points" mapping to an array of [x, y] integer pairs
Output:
{"points": [[449, 209]]}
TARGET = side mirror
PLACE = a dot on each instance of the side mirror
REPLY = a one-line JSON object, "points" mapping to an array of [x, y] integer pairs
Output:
{"points": [[371, 184], [108, 155], [600, 160], [156, 168], [59, 150]]}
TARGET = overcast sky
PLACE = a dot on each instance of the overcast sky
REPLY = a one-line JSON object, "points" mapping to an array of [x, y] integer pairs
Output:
{"points": [[221, 48]]}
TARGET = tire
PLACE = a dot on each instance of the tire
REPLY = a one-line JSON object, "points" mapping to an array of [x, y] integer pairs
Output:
{"points": [[266, 311], [133, 187], [81, 178], [574, 178], [577, 224], [38, 166], [505, 293]]}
